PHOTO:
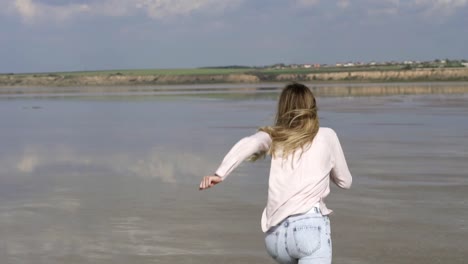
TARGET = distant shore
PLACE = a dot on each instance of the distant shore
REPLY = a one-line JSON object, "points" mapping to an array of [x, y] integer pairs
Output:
{"points": [[207, 76]]}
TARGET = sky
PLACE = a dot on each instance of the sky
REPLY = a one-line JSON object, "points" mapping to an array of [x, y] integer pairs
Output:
{"points": [[77, 35]]}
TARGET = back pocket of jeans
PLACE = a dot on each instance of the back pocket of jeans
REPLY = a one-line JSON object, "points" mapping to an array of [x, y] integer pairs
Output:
{"points": [[307, 239], [271, 244]]}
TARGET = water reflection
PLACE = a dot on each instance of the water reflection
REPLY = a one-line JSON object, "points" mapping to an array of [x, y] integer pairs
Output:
{"points": [[161, 163], [99, 180]]}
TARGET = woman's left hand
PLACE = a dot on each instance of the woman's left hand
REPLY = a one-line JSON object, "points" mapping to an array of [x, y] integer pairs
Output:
{"points": [[210, 181]]}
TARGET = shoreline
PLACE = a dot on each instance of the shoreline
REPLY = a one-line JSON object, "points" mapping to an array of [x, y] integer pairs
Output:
{"points": [[127, 79], [349, 89]]}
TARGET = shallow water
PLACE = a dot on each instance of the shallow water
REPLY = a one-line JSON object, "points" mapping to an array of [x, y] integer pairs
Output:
{"points": [[113, 178]]}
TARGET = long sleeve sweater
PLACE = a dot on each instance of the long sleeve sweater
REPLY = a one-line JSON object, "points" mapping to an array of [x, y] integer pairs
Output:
{"points": [[296, 182]]}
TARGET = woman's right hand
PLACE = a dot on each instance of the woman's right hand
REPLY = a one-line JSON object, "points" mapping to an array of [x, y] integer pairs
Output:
{"points": [[209, 181]]}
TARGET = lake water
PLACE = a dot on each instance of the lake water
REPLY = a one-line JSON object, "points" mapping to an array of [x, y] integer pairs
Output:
{"points": [[111, 176]]}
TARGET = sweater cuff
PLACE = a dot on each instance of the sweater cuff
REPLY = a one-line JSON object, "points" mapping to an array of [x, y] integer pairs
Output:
{"points": [[220, 173]]}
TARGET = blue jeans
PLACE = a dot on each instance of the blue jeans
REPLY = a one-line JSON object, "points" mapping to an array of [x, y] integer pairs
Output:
{"points": [[302, 239]]}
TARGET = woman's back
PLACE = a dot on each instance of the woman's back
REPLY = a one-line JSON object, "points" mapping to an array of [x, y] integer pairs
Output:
{"points": [[305, 157], [300, 181]]}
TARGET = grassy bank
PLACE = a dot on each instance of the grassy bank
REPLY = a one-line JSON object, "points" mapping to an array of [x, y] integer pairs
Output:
{"points": [[234, 75], [211, 71]]}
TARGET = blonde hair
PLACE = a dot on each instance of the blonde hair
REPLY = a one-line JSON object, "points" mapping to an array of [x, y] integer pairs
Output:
{"points": [[296, 122]]}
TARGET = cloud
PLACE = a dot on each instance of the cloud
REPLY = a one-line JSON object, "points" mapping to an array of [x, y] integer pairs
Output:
{"points": [[30, 10], [26, 8], [28, 163], [440, 7], [33, 10], [425, 7], [168, 8]]}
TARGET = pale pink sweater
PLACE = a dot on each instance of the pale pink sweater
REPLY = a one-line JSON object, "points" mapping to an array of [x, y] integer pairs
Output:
{"points": [[294, 187]]}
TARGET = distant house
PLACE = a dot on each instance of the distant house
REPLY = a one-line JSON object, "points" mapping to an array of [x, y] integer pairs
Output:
{"points": [[465, 64], [307, 66]]}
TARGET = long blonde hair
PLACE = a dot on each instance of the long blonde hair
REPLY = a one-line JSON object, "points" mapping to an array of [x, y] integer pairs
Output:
{"points": [[296, 122]]}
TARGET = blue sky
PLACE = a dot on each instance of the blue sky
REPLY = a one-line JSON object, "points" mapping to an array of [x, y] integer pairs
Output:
{"points": [[69, 35]]}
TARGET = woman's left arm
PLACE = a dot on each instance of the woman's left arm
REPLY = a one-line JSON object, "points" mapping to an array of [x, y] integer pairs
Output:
{"points": [[243, 149]]}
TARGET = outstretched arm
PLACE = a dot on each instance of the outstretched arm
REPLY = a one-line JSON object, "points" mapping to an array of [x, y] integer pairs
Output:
{"points": [[239, 152], [340, 174]]}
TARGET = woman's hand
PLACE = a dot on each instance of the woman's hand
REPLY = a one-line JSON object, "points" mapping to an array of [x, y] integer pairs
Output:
{"points": [[210, 181]]}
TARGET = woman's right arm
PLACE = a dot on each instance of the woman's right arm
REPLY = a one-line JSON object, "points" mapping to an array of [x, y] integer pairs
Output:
{"points": [[340, 173], [243, 149]]}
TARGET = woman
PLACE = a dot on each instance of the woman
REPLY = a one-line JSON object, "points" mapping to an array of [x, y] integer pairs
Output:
{"points": [[305, 157]]}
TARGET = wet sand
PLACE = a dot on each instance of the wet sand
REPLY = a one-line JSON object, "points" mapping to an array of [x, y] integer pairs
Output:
{"points": [[93, 180]]}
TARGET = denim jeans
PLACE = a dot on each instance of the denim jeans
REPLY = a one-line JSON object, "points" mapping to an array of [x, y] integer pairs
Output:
{"points": [[302, 239]]}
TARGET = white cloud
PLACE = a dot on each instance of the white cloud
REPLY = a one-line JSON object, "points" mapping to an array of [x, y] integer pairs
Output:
{"points": [[32, 10], [440, 7], [168, 8], [26, 8], [28, 163]]}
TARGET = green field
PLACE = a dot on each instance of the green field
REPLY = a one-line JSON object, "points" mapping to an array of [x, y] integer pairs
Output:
{"points": [[406, 73], [143, 72], [218, 71], [331, 69]]}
